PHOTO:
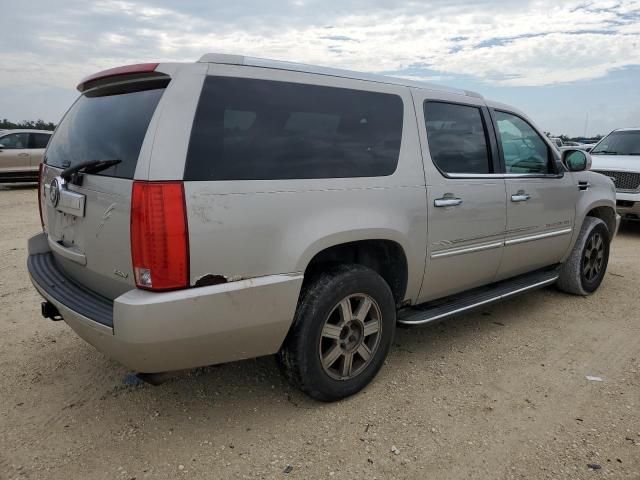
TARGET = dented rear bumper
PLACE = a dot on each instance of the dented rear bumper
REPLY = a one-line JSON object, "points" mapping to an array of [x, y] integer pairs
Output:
{"points": [[157, 332]]}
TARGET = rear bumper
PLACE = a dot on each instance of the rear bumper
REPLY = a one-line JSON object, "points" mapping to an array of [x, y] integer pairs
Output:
{"points": [[156, 332]]}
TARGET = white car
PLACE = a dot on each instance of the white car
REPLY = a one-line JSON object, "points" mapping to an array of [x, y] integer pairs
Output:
{"points": [[618, 156]]}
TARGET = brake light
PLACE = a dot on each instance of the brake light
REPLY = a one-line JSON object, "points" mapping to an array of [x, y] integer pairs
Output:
{"points": [[159, 236], [40, 186]]}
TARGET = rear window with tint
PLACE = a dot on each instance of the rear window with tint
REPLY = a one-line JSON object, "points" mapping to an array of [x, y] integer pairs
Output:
{"points": [[104, 125], [247, 129]]}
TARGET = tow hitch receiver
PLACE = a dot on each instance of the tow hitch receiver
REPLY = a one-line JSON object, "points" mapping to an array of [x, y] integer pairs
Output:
{"points": [[49, 310]]}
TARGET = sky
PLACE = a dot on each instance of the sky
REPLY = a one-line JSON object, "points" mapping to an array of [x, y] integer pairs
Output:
{"points": [[573, 66]]}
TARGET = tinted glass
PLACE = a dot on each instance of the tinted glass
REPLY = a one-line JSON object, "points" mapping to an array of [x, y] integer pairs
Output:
{"points": [[104, 127], [619, 143], [15, 141], [247, 129], [524, 150], [39, 140], [457, 139]]}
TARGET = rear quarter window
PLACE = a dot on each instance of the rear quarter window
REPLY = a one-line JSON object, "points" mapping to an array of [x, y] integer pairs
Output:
{"points": [[248, 129]]}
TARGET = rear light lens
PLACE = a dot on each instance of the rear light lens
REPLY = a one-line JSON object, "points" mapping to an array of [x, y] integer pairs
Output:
{"points": [[40, 187], [159, 236]]}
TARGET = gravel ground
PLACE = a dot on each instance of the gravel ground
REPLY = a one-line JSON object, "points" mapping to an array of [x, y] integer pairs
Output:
{"points": [[496, 394]]}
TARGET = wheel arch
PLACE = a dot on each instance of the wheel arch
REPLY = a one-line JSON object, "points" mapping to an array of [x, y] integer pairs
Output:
{"points": [[387, 256], [607, 214]]}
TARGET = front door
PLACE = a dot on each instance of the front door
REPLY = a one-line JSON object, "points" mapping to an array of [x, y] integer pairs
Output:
{"points": [[465, 195], [541, 198], [14, 152]]}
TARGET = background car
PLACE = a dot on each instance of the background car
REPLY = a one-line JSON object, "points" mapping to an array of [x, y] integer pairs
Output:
{"points": [[21, 153], [618, 156]]}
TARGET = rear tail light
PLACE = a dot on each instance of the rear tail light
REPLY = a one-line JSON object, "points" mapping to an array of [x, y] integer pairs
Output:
{"points": [[40, 187], [159, 236]]}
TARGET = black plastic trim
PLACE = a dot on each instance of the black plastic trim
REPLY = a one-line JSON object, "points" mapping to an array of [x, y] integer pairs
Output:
{"points": [[47, 275]]}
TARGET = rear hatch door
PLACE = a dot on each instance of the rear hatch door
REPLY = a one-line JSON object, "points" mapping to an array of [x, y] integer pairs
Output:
{"points": [[87, 215]]}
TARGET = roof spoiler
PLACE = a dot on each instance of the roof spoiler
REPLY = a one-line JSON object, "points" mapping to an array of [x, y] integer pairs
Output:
{"points": [[126, 71]]}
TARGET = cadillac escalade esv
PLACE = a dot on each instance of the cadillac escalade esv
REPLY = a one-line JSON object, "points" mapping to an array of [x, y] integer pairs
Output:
{"points": [[235, 207]]}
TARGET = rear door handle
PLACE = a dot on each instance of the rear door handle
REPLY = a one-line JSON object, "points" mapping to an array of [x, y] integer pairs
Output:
{"points": [[447, 202], [520, 197], [23, 154]]}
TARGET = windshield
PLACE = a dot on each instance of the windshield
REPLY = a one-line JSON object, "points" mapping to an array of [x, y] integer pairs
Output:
{"points": [[619, 143], [104, 126]]}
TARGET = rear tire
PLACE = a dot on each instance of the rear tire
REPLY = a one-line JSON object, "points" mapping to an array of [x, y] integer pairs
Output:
{"points": [[342, 332], [585, 268]]}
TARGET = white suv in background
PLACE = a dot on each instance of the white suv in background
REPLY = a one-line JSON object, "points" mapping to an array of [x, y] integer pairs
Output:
{"points": [[618, 157]]}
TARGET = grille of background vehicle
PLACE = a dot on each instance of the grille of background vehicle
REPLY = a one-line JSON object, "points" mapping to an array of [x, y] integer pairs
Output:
{"points": [[624, 181]]}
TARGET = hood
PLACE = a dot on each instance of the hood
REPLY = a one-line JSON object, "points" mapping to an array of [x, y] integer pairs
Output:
{"points": [[619, 163]]}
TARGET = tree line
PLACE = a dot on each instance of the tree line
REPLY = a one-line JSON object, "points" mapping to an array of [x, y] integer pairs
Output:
{"points": [[34, 124]]}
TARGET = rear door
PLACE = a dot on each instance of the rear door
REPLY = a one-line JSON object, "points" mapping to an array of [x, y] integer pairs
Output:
{"points": [[541, 198], [465, 195], [14, 152], [88, 225]]}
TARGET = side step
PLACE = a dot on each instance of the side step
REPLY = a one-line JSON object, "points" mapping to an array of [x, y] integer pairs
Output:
{"points": [[462, 302]]}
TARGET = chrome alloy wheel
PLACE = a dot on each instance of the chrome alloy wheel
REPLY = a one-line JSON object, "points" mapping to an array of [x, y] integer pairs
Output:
{"points": [[350, 336], [593, 259]]}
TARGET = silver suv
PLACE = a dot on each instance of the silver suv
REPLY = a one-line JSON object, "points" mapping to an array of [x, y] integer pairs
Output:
{"points": [[235, 207]]}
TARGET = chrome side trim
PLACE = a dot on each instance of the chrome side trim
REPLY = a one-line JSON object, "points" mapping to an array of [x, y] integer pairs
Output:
{"points": [[540, 236], [479, 304], [500, 175], [462, 251]]}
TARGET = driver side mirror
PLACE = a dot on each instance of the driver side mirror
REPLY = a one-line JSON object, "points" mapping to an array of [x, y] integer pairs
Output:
{"points": [[576, 160]]}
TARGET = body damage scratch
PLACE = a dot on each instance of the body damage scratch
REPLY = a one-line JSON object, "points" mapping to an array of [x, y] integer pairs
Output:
{"points": [[105, 217]]}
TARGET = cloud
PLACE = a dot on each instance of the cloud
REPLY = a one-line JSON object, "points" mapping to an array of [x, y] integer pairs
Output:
{"points": [[531, 43], [52, 45]]}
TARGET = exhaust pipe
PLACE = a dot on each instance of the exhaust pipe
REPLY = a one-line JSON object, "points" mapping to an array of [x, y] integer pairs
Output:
{"points": [[49, 310]]}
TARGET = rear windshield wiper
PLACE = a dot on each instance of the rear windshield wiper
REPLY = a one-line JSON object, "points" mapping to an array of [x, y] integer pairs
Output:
{"points": [[92, 166]]}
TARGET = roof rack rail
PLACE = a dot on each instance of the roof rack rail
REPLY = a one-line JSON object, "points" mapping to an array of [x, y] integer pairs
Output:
{"points": [[230, 59]]}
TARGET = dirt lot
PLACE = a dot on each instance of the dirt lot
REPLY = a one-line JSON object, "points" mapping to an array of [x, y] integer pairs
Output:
{"points": [[499, 393]]}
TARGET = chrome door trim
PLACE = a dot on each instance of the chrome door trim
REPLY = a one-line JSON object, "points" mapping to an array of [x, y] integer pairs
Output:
{"points": [[539, 236], [462, 251], [501, 175]]}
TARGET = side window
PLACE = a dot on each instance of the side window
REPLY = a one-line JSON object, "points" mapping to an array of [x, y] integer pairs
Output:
{"points": [[457, 138], [39, 140], [250, 129], [15, 141], [524, 150]]}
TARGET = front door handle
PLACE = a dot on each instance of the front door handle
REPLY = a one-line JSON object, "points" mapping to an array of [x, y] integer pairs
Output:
{"points": [[521, 196], [447, 202], [23, 154]]}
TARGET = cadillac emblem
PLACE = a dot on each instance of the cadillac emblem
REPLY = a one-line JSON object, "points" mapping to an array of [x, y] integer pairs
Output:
{"points": [[54, 192]]}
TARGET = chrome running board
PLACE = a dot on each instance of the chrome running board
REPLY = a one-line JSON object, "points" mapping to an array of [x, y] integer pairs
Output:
{"points": [[459, 303]]}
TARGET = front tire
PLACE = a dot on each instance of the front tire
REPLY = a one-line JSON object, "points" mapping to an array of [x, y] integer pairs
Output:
{"points": [[585, 268], [342, 332]]}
